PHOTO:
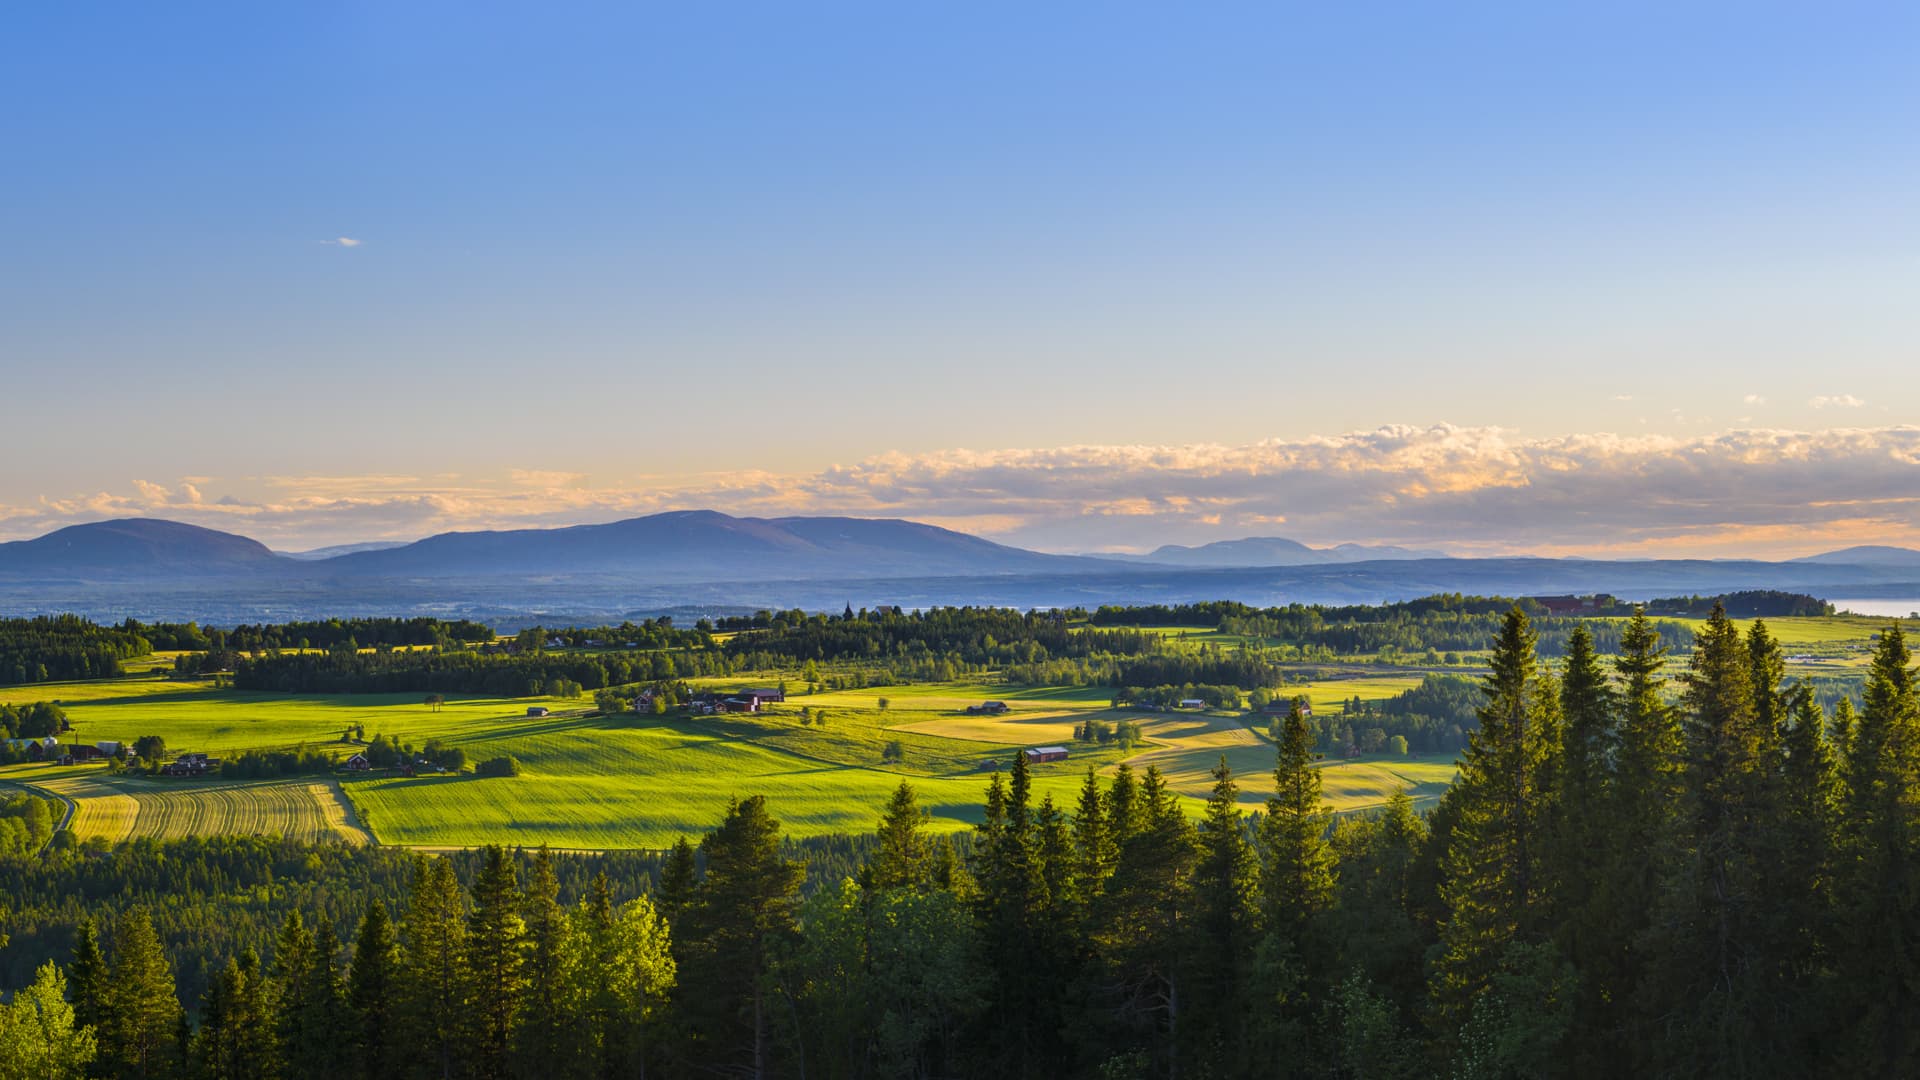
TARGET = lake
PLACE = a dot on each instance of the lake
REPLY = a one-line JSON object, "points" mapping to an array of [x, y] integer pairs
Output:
{"points": [[1890, 609]]}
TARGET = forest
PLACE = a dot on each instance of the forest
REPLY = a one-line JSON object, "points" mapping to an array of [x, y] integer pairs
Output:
{"points": [[1639, 871]]}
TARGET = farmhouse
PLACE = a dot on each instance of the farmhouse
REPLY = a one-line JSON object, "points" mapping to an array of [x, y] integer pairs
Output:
{"points": [[83, 752], [536, 710], [987, 708], [1283, 706], [358, 763], [763, 697], [189, 765], [36, 749], [1192, 703], [739, 704], [108, 747], [1037, 755]]}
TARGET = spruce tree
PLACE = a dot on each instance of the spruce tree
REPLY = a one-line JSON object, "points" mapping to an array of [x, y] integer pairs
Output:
{"points": [[741, 913], [1141, 939], [902, 855], [432, 997], [88, 978], [1297, 876], [238, 1037], [1123, 805], [143, 1008], [1493, 887], [493, 970], [371, 992], [1225, 888], [1715, 931], [1581, 834], [678, 879], [1094, 850], [547, 1014], [1879, 961]]}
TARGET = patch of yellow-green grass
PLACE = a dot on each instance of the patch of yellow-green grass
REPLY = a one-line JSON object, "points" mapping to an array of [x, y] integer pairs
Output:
{"points": [[194, 717], [641, 783]]}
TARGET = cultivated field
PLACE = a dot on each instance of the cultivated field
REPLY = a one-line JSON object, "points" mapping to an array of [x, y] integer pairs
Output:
{"points": [[112, 809]]}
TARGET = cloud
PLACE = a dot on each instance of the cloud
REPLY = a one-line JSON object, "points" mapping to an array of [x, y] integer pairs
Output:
{"points": [[1835, 401], [1623, 397], [1754, 399], [1470, 490], [344, 241]]}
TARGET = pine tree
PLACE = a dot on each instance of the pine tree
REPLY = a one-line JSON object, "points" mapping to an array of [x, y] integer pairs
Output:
{"points": [[371, 991], [237, 1039], [1718, 962], [493, 970], [307, 1002], [1012, 906], [1226, 911], [743, 908], [432, 996], [1123, 806], [678, 879], [88, 978], [143, 1008], [1140, 937], [1493, 888], [1297, 876], [1804, 867], [1879, 961], [1094, 850], [547, 1014], [1581, 833], [902, 856]]}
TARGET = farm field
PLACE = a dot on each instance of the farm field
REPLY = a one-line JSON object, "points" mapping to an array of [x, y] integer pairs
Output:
{"points": [[626, 781], [113, 809]]}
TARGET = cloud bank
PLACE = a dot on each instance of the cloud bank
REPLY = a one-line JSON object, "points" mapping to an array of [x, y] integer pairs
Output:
{"points": [[1469, 490]]}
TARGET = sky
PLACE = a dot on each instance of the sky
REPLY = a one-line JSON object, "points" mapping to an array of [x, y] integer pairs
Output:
{"points": [[1623, 279]]}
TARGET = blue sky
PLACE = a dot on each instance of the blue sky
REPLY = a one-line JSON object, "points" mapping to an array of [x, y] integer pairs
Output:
{"points": [[616, 258]]}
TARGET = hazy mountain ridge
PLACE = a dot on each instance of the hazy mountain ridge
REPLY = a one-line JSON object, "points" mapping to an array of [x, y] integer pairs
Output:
{"points": [[1272, 551], [156, 568]]}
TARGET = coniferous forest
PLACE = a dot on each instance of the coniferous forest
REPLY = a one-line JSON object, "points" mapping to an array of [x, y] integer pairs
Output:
{"points": [[1647, 867]]}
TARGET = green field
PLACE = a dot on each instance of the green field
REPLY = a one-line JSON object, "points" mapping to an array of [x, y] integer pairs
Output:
{"points": [[633, 781]]}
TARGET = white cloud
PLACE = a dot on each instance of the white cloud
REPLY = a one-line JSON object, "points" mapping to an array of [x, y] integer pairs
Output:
{"points": [[1835, 401], [1754, 399], [1623, 397], [1469, 489], [344, 241]]}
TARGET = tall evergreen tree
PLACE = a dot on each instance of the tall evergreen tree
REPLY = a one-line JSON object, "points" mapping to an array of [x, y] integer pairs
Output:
{"points": [[902, 857], [143, 1008], [1879, 961], [678, 879], [547, 1015], [1493, 887], [1013, 909], [1581, 833], [1141, 937], [493, 968], [432, 992], [1297, 876], [88, 978], [1094, 849], [371, 992], [1718, 963], [1226, 912], [238, 1037], [741, 910]]}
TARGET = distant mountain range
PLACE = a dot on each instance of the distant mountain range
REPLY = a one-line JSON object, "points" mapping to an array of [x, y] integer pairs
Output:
{"points": [[1271, 551], [704, 560]]}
